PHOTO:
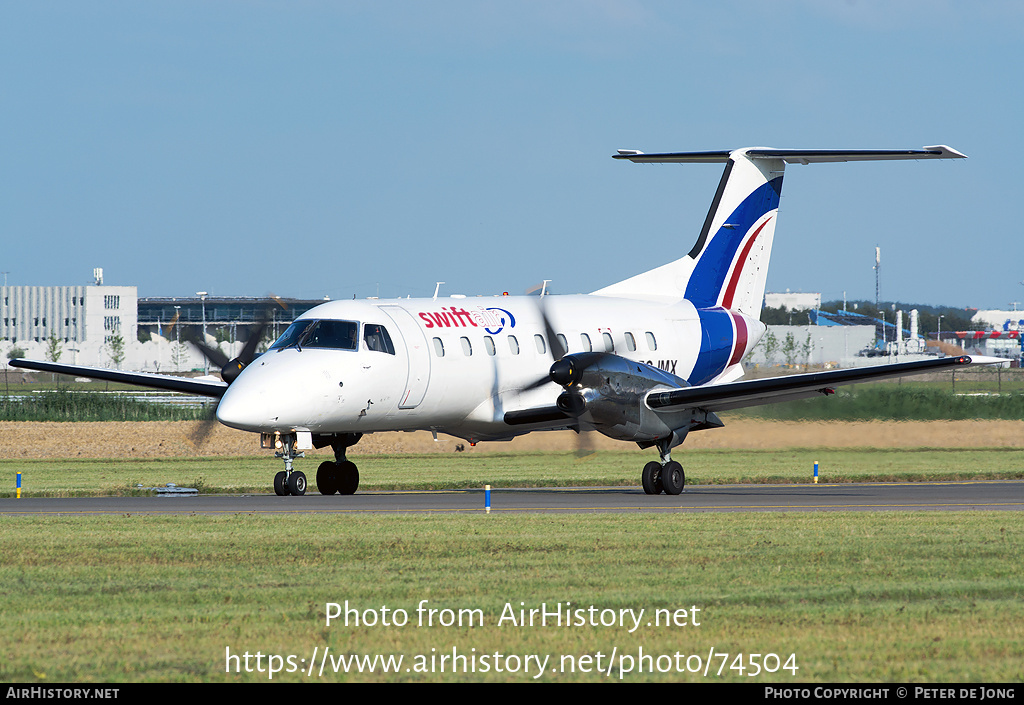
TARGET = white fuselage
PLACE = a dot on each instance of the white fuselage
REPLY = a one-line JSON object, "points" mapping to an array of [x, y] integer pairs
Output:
{"points": [[459, 364]]}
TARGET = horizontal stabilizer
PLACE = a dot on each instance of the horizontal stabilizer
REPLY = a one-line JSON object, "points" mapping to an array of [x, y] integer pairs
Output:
{"points": [[757, 392], [205, 388], [793, 156]]}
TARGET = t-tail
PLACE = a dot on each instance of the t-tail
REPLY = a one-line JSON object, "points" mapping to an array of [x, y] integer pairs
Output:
{"points": [[728, 265]]}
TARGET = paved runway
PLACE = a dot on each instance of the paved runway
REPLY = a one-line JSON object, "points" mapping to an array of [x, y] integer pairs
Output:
{"points": [[945, 496]]}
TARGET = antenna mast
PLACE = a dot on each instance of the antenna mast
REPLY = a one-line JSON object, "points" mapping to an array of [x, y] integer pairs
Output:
{"points": [[878, 265]]}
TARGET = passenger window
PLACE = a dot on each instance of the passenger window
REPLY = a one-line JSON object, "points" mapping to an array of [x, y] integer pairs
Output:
{"points": [[609, 345], [467, 347], [376, 338], [541, 345], [652, 344], [563, 341], [585, 339], [513, 345], [438, 347], [630, 342], [489, 345]]}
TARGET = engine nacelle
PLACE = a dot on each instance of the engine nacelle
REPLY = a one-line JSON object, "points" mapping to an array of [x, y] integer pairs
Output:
{"points": [[606, 392]]}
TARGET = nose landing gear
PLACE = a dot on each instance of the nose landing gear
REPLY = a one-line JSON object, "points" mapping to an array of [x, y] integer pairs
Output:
{"points": [[287, 481]]}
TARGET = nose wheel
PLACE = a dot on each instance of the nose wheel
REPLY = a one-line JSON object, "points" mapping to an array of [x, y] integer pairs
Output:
{"points": [[288, 481], [290, 484]]}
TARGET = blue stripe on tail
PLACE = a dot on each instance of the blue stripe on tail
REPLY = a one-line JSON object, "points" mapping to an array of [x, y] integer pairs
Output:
{"points": [[716, 342], [713, 263]]}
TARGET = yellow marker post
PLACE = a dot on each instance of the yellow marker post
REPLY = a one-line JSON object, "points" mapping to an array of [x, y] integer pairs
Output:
{"points": [[19, 486], [815, 472]]}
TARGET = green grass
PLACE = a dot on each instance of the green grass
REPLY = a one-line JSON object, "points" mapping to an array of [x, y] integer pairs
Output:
{"points": [[868, 597], [77, 477], [897, 403], [67, 405]]}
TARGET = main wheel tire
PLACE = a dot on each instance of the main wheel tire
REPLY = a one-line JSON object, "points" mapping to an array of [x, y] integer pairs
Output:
{"points": [[297, 484], [327, 477], [650, 478], [673, 478], [281, 484], [348, 477]]}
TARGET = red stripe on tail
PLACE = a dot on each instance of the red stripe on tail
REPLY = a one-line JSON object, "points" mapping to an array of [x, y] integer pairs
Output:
{"points": [[740, 343], [730, 291]]}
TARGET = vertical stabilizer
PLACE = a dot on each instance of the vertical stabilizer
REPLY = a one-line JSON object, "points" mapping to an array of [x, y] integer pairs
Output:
{"points": [[728, 265]]}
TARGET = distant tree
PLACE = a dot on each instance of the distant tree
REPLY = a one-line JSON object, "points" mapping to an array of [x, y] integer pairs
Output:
{"points": [[15, 353], [115, 350], [770, 344], [775, 316], [807, 348], [54, 349], [789, 349], [179, 355]]}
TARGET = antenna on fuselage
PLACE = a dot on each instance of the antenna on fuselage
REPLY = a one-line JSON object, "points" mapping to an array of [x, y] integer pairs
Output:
{"points": [[542, 288], [437, 289]]}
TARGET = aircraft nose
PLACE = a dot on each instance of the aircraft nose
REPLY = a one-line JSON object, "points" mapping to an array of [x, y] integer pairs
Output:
{"points": [[243, 407]]}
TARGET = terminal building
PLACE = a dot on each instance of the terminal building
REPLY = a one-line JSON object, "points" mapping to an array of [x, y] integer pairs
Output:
{"points": [[226, 317]]}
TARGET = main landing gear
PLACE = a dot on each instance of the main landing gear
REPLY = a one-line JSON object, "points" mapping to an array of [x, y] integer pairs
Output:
{"points": [[341, 476], [666, 476], [338, 477]]}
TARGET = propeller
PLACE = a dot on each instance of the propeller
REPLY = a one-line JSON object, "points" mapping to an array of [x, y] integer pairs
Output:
{"points": [[230, 369], [567, 371]]}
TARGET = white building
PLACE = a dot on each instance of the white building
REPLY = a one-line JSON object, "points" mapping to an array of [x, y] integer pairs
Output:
{"points": [[83, 320], [999, 320], [793, 301]]}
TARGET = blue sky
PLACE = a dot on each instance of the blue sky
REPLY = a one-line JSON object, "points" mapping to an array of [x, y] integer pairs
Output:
{"points": [[335, 149]]}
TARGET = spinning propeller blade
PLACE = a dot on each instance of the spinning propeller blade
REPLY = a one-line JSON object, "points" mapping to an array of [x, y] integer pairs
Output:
{"points": [[230, 369]]}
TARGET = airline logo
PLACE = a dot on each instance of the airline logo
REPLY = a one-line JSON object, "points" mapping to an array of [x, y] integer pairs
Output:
{"points": [[492, 319]]}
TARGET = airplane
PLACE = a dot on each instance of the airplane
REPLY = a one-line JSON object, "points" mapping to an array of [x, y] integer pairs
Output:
{"points": [[648, 359]]}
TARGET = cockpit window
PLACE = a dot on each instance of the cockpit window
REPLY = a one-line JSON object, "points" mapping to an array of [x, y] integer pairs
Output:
{"points": [[336, 335], [294, 332], [376, 338]]}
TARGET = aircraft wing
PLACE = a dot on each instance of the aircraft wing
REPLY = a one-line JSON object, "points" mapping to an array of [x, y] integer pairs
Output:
{"points": [[206, 388], [756, 392]]}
